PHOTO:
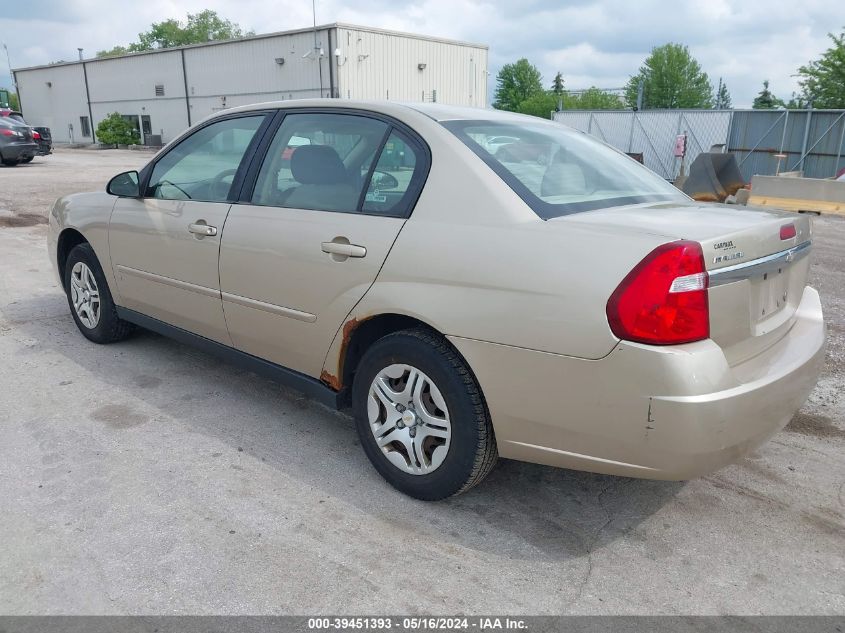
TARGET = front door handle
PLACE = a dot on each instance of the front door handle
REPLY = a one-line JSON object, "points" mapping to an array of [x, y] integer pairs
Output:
{"points": [[203, 229], [344, 249]]}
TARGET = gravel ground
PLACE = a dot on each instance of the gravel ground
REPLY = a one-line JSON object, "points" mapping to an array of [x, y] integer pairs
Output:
{"points": [[149, 478]]}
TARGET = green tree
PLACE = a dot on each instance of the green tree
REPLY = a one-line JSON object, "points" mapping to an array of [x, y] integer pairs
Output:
{"points": [[594, 98], [796, 102], [199, 27], [765, 100], [557, 84], [115, 130], [516, 83], [671, 78], [723, 98], [14, 102], [541, 104], [823, 80]]}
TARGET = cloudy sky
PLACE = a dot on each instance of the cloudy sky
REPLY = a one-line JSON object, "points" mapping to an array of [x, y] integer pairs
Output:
{"points": [[592, 42]]}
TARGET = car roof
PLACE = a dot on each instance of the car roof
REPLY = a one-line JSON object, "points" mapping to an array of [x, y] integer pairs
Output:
{"points": [[436, 111]]}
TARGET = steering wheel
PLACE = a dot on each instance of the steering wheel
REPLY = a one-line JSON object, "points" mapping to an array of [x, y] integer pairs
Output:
{"points": [[214, 187], [162, 183]]}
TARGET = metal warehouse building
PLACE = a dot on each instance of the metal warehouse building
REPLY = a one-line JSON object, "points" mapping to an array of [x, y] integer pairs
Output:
{"points": [[165, 91]]}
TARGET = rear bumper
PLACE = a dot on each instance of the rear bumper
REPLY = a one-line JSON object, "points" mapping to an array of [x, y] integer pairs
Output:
{"points": [[18, 151], [661, 413]]}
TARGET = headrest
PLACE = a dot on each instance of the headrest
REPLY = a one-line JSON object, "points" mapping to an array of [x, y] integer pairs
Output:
{"points": [[317, 165]]}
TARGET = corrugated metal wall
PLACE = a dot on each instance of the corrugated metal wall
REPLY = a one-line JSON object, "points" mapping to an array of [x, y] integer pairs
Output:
{"points": [[244, 72], [818, 149], [54, 97], [653, 132], [128, 86], [372, 64], [384, 65], [755, 136]]}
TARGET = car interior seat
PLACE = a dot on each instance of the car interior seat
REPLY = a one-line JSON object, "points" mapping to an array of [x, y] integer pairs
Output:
{"points": [[323, 180]]}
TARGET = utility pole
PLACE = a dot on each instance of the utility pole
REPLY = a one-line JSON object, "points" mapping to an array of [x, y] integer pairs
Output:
{"points": [[11, 75], [318, 50]]}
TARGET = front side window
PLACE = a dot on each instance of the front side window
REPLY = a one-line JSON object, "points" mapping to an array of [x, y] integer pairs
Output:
{"points": [[558, 171], [319, 161], [203, 166]]}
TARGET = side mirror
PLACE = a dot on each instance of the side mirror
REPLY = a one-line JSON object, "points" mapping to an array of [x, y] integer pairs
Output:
{"points": [[383, 180], [125, 185]]}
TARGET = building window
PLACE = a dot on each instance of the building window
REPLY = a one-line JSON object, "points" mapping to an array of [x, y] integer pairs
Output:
{"points": [[160, 90], [85, 124]]}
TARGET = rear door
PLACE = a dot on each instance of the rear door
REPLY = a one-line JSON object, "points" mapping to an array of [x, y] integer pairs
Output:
{"points": [[302, 248], [164, 246]]}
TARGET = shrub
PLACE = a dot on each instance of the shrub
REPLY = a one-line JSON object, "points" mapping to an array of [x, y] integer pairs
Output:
{"points": [[115, 130]]}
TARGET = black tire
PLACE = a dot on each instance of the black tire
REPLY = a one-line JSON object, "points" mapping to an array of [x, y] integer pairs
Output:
{"points": [[28, 160], [9, 162], [110, 328], [472, 452]]}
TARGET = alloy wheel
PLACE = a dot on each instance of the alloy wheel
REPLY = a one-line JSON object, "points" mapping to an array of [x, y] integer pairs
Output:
{"points": [[85, 295]]}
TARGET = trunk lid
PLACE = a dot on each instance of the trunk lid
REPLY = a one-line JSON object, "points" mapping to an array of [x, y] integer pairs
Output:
{"points": [[757, 278]]}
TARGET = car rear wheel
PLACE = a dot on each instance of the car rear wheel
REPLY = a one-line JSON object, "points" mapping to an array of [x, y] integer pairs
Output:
{"points": [[421, 417], [90, 300], [8, 162], [28, 159]]}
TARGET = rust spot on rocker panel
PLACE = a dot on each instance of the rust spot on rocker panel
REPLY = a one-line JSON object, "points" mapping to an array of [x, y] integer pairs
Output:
{"points": [[336, 382], [330, 380]]}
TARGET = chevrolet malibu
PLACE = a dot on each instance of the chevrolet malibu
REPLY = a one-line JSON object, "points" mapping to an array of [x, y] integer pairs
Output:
{"points": [[557, 303]]}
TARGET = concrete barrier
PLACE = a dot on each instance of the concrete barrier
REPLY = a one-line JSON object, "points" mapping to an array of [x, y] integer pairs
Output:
{"points": [[798, 194]]}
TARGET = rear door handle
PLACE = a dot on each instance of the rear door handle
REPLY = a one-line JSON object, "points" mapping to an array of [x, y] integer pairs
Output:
{"points": [[201, 228], [344, 250]]}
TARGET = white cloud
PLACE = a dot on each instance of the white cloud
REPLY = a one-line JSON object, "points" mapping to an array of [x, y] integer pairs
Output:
{"points": [[593, 43]]}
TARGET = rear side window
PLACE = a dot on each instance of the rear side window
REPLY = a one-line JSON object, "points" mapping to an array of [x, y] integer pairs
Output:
{"points": [[559, 171], [389, 187], [319, 161]]}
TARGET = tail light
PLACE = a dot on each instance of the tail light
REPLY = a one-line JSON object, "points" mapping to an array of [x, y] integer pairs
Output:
{"points": [[787, 231], [663, 300], [35, 135], [7, 132]]}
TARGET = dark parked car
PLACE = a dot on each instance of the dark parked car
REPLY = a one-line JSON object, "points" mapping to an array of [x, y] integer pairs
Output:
{"points": [[44, 139], [12, 114], [41, 135], [16, 142]]}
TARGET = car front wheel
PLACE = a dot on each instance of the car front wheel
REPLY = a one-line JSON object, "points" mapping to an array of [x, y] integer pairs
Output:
{"points": [[89, 298], [421, 417]]}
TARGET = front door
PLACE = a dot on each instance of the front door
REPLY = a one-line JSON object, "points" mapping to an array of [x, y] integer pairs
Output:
{"points": [[164, 247], [330, 198]]}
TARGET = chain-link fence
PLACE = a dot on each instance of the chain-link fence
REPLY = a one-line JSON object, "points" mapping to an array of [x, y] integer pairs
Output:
{"points": [[764, 141]]}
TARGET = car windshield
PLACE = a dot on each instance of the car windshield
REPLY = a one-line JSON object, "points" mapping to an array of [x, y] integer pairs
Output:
{"points": [[559, 171]]}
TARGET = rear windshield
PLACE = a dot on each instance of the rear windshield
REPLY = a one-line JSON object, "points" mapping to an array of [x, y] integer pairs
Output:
{"points": [[559, 171]]}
